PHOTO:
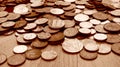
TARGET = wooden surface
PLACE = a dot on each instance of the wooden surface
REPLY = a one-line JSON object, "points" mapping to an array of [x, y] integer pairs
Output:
{"points": [[63, 60]]}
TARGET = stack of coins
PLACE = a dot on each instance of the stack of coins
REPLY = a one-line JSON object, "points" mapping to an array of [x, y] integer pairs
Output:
{"points": [[87, 27]]}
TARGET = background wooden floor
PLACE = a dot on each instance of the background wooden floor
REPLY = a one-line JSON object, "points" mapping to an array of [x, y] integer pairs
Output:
{"points": [[63, 60]]}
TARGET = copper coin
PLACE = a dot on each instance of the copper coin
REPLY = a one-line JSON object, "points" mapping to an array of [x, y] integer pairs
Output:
{"points": [[88, 55], [86, 25], [3, 20], [44, 35], [84, 30], [113, 38], [70, 7], [20, 24], [100, 28], [116, 48], [39, 43], [112, 27], [13, 16], [31, 15], [69, 23], [30, 26], [62, 3], [115, 12], [29, 36], [9, 32], [33, 54], [100, 16], [3, 13], [41, 21], [3, 58], [16, 60], [3, 29], [57, 11], [57, 37], [81, 17], [100, 37], [71, 32], [38, 29], [21, 31], [49, 30], [8, 24]]}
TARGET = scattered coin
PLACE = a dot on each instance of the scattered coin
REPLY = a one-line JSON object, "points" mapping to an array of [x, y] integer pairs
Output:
{"points": [[3, 20], [16, 60], [117, 20], [100, 37], [44, 35], [88, 55], [3, 58], [20, 49], [30, 26], [33, 54], [3, 13], [69, 23], [116, 48], [113, 38], [104, 48], [100, 16], [13, 16], [72, 45], [81, 17], [86, 25], [115, 12], [84, 30], [70, 32], [8, 24], [100, 28], [20, 24], [29, 36], [41, 21], [95, 21], [49, 55], [57, 11]]}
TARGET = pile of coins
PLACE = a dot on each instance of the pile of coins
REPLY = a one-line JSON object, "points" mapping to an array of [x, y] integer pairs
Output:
{"points": [[87, 27]]}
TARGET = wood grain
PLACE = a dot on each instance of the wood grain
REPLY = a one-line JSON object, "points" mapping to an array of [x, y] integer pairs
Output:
{"points": [[63, 60]]}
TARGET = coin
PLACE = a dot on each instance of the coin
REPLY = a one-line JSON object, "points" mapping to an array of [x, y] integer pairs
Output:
{"points": [[100, 16], [70, 32], [86, 25], [81, 17], [20, 49], [16, 60], [41, 21], [72, 45], [3, 58], [44, 35], [49, 55], [8, 24], [30, 26], [3, 13], [84, 30], [33, 54], [113, 38], [115, 48], [29, 36], [57, 11], [100, 37]]}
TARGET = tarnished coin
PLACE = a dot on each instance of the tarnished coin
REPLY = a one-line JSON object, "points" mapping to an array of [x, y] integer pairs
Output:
{"points": [[115, 12], [44, 35], [100, 37], [33, 54], [100, 16], [16, 60], [8, 24], [20, 24], [70, 32], [49, 55], [104, 48], [39, 43], [29, 36], [116, 48], [30, 26], [3, 20], [100, 28], [81, 17], [57, 11], [72, 45], [3, 58], [38, 29], [112, 27], [20, 49], [113, 38], [49, 30], [21, 40], [69, 23], [88, 55]]}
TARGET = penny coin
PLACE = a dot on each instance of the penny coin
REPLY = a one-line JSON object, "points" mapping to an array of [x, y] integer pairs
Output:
{"points": [[3, 58], [20, 24], [3, 20], [100, 16], [30, 26], [112, 27], [104, 48], [16, 60], [37, 4], [3, 13], [104, 22], [113, 38], [95, 21], [116, 48], [13, 16], [49, 30], [3, 29], [29, 36], [84, 30], [21, 31], [80, 7], [115, 12], [8, 24], [70, 32], [89, 12], [62, 3], [30, 19], [72, 45], [88, 55], [57, 37], [44, 35], [20, 49], [21, 9], [81, 17], [69, 23], [100, 36], [100, 28], [41, 21], [93, 31], [39, 43], [32, 15], [21, 40], [33, 54], [69, 0], [56, 11], [56, 24], [49, 55], [70, 7], [117, 20], [9, 32], [38, 29], [86, 25]]}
